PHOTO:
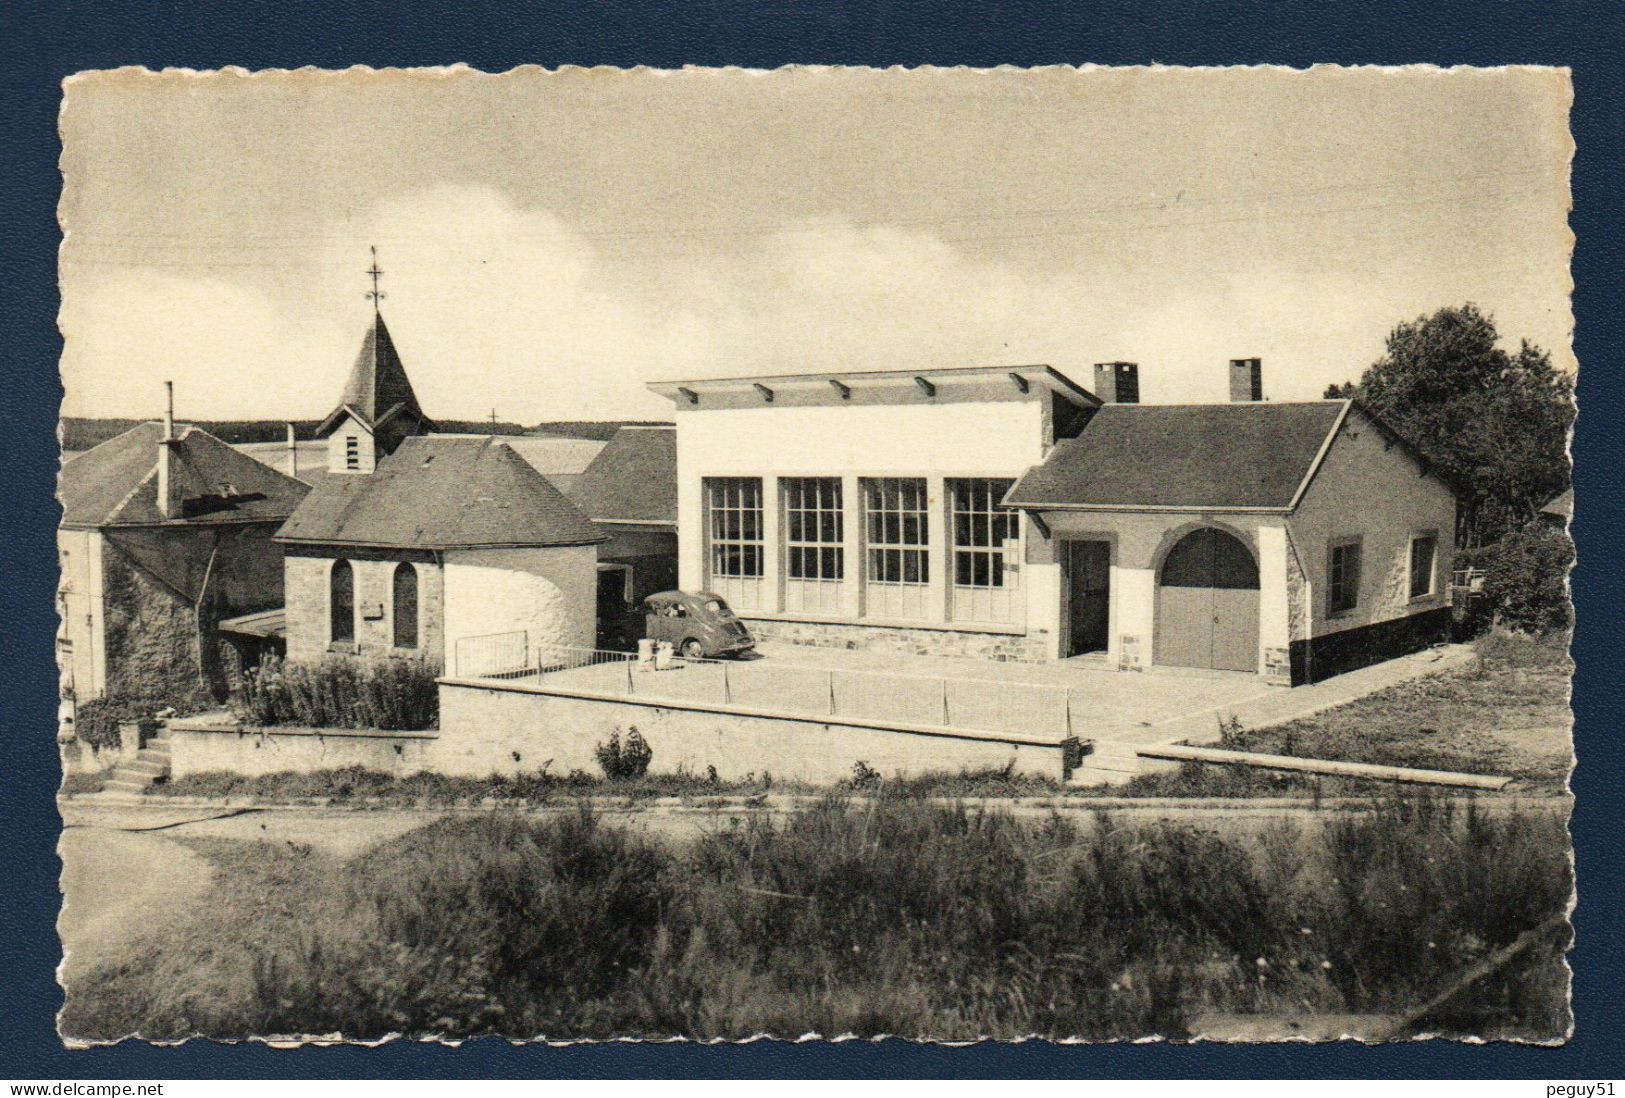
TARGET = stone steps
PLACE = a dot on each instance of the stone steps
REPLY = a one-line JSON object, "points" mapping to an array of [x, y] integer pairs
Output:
{"points": [[1110, 764], [149, 764]]}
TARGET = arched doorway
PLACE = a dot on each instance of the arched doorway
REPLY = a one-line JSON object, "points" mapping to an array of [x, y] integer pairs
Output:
{"points": [[1207, 603]]}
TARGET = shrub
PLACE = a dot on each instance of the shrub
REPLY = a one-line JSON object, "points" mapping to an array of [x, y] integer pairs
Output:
{"points": [[393, 694], [1526, 580], [621, 762], [885, 916], [96, 722]]}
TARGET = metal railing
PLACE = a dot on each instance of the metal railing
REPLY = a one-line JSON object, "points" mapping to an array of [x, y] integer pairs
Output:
{"points": [[767, 684], [494, 655]]}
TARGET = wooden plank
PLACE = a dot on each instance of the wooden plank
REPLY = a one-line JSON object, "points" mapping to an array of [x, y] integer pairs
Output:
{"points": [[1336, 768]]}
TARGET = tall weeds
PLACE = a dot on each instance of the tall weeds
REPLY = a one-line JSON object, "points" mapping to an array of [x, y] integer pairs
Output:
{"points": [[392, 694], [890, 916]]}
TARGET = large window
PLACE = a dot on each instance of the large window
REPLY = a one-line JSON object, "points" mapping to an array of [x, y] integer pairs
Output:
{"points": [[405, 602], [987, 551], [1424, 563], [1343, 577], [341, 603], [897, 536], [814, 563], [734, 526]]}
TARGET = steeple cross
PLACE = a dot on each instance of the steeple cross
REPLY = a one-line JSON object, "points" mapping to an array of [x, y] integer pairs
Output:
{"points": [[375, 293]]}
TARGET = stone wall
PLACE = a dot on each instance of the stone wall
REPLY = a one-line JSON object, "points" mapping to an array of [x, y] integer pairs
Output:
{"points": [[151, 634], [307, 579], [200, 745], [513, 729], [1000, 647]]}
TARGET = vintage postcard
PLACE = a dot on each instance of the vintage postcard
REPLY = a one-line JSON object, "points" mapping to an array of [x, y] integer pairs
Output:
{"points": [[948, 554]]}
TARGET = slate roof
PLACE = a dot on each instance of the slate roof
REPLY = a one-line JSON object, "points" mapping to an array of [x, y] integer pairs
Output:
{"points": [[378, 388], [440, 493], [1209, 456], [1562, 507], [555, 456], [116, 483], [633, 479]]}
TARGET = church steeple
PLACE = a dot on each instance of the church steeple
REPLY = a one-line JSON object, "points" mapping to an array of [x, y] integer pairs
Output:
{"points": [[378, 407]]}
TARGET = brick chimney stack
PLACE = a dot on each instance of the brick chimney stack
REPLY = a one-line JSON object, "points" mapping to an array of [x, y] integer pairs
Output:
{"points": [[293, 452], [1117, 382], [1246, 380]]}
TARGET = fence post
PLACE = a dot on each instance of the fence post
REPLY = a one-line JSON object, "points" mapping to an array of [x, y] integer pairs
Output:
{"points": [[630, 689], [831, 677], [727, 688], [1067, 701], [945, 722]]}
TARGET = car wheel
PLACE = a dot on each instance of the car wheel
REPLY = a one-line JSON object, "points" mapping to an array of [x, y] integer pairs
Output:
{"points": [[693, 649]]}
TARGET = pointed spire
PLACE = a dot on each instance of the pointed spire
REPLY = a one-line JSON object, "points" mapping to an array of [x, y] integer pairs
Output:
{"points": [[378, 389]]}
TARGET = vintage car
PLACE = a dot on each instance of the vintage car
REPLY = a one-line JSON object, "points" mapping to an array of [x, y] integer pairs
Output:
{"points": [[697, 624]]}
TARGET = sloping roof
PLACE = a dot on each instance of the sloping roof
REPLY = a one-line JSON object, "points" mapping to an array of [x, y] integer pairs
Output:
{"points": [[634, 478], [1209, 456], [263, 623], [555, 456], [378, 388], [1562, 507], [116, 483], [441, 493]]}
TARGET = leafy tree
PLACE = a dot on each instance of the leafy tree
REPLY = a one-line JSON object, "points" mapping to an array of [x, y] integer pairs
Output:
{"points": [[1495, 423]]}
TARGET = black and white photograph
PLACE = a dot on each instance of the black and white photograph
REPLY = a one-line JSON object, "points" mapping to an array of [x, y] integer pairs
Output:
{"points": [[587, 554]]}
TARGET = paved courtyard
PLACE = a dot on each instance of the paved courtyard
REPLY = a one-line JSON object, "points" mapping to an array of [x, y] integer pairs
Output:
{"points": [[1081, 697]]}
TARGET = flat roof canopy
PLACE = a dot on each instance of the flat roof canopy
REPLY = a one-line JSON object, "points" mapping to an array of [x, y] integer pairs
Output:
{"points": [[832, 387]]}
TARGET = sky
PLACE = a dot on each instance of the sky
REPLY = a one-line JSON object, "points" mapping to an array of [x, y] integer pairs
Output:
{"points": [[551, 242]]}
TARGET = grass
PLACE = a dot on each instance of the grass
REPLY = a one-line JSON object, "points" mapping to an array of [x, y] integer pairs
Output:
{"points": [[892, 916], [354, 784], [1507, 712]]}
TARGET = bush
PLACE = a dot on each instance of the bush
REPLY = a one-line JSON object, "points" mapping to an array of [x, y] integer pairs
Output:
{"points": [[1525, 580], [96, 722], [624, 762], [888, 916], [394, 694]]}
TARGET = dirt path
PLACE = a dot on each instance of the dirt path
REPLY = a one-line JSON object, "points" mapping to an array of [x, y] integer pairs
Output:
{"points": [[124, 872], [116, 888]]}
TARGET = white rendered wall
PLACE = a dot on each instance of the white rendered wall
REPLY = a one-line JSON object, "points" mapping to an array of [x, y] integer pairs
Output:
{"points": [[1372, 490], [551, 594], [80, 552], [1139, 540], [1001, 438]]}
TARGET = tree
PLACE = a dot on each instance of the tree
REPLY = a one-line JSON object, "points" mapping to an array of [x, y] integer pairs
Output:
{"points": [[1493, 423]]}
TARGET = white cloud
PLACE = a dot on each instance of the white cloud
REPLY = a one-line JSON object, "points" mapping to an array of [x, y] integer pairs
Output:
{"points": [[496, 305]]}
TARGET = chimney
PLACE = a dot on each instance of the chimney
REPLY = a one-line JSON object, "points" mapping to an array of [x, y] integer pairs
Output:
{"points": [[169, 504], [1246, 380], [293, 452], [1117, 382]]}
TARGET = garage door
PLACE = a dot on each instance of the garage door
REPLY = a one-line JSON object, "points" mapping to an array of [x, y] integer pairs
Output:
{"points": [[1207, 604]]}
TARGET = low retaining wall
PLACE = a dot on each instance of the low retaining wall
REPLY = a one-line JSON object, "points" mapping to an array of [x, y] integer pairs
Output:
{"points": [[914, 640], [514, 727], [198, 745]]}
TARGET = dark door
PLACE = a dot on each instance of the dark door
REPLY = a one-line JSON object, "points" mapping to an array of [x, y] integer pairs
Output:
{"points": [[616, 622], [1088, 567], [1207, 604]]}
